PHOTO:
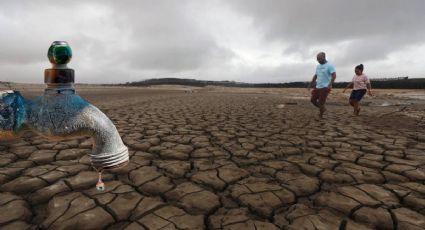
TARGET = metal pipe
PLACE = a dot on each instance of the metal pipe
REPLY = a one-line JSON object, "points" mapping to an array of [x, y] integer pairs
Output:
{"points": [[61, 114]]}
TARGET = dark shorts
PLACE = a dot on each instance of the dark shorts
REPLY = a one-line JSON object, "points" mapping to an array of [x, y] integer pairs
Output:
{"points": [[320, 94], [357, 95]]}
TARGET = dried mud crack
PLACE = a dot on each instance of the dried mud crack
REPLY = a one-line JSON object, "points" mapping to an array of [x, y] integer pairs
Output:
{"points": [[224, 160]]}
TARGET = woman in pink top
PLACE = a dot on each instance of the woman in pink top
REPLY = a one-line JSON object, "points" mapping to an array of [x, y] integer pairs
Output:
{"points": [[361, 85]]}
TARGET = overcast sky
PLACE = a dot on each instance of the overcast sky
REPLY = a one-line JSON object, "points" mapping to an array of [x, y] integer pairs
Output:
{"points": [[245, 40]]}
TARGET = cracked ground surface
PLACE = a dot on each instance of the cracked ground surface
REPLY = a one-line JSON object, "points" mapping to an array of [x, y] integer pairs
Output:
{"points": [[225, 160]]}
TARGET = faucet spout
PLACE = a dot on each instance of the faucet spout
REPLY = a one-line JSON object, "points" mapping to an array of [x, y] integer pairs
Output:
{"points": [[108, 149], [71, 116]]}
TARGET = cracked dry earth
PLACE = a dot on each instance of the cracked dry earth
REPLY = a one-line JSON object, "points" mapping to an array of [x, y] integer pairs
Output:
{"points": [[211, 160]]}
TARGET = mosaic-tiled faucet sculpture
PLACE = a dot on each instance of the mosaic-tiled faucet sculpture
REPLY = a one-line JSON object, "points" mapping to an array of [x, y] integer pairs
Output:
{"points": [[61, 114]]}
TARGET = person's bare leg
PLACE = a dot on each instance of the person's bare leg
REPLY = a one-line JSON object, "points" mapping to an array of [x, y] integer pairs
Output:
{"points": [[322, 110], [356, 107], [321, 102]]}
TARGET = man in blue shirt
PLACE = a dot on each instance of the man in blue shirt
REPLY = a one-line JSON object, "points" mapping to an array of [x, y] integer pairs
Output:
{"points": [[322, 81]]}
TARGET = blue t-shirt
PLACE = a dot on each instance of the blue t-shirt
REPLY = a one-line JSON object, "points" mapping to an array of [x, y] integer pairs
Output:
{"points": [[324, 75]]}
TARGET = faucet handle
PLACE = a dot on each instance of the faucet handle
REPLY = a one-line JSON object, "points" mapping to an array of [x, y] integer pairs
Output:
{"points": [[59, 53]]}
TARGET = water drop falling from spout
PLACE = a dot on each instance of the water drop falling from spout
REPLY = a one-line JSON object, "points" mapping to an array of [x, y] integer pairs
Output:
{"points": [[100, 186]]}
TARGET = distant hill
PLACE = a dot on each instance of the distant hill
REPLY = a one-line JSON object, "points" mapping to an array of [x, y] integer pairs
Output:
{"points": [[383, 83], [203, 83]]}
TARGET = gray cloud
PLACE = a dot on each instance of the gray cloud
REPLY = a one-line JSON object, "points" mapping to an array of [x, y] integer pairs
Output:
{"points": [[383, 25], [166, 37], [245, 40], [333, 20]]}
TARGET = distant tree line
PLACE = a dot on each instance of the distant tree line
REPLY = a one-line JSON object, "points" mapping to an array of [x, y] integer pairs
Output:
{"points": [[401, 83], [382, 83], [390, 79]]}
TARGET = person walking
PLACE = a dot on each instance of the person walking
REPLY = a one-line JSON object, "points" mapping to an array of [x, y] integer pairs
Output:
{"points": [[322, 82], [361, 85]]}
